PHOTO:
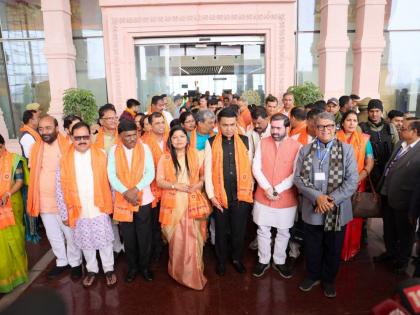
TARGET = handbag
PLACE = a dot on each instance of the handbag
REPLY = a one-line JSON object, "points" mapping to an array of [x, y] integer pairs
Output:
{"points": [[367, 204]]}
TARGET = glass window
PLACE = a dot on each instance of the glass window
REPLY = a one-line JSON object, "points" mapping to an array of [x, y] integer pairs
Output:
{"points": [[351, 16], [86, 18], [400, 72], [307, 57], [309, 15], [21, 19], [5, 96], [349, 65], [90, 67], [402, 15]]}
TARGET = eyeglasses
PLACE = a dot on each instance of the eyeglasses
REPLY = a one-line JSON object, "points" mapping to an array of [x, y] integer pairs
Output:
{"points": [[110, 118], [80, 138], [325, 127]]}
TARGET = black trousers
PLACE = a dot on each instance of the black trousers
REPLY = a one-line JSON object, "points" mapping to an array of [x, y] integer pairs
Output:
{"points": [[138, 238], [157, 243], [322, 252], [398, 234], [231, 224]]}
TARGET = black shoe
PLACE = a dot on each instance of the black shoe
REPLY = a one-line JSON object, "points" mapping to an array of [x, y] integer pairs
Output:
{"points": [[260, 269], [76, 272], [291, 263], [220, 270], [308, 284], [383, 257], [239, 267], [147, 275], [56, 271], [329, 290], [283, 270], [131, 275]]}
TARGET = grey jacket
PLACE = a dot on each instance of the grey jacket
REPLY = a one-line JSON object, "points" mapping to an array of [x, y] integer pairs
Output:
{"points": [[341, 195]]}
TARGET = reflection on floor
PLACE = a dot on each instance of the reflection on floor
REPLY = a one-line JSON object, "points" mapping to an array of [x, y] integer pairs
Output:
{"points": [[360, 285]]}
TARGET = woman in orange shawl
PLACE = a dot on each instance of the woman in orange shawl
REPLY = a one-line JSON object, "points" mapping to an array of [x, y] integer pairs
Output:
{"points": [[184, 209], [364, 158]]}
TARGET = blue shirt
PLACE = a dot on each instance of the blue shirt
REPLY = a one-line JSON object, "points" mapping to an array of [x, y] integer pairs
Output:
{"points": [[201, 140]]}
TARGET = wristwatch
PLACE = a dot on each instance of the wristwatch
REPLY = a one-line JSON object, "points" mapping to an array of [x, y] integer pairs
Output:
{"points": [[275, 193]]}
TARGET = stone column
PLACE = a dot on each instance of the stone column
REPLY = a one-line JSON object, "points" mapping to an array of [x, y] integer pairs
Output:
{"points": [[367, 47], [332, 47], [59, 51]]}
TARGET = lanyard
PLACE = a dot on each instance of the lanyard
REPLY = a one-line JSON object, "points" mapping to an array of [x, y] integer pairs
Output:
{"points": [[322, 157]]}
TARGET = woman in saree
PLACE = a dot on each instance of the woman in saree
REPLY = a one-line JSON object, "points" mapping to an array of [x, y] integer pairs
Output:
{"points": [[364, 158], [13, 259], [184, 209]]}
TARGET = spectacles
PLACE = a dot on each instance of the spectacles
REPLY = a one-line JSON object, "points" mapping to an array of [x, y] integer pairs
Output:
{"points": [[325, 127], [109, 118], [80, 138]]}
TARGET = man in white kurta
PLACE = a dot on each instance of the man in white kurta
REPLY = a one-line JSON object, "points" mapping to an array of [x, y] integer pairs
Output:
{"points": [[275, 198]]}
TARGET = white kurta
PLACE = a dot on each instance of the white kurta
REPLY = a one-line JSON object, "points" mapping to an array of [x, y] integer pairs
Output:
{"points": [[267, 216]]}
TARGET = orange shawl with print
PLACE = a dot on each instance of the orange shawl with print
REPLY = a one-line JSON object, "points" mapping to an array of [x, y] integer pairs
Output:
{"points": [[198, 206], [35, 163], [303, 134], [102, 191], [245, 184], [32, 132], [7, 217], [359, 141], [129, 177]]}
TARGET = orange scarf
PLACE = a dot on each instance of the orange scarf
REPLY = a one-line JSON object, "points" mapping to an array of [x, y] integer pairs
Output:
{"points": [[167, 126], [32, 132], [129, 177], [303, 134], [243, 171], [359, 141], [35, 162], [198, 206], [7, 217], [245, 119], [157, 152], [100, 138], [193, 138], [102, 191]]}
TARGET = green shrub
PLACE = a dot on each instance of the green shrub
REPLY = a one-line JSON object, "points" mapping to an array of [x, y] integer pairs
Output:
{"points": [[82, 103], [305, 93]]}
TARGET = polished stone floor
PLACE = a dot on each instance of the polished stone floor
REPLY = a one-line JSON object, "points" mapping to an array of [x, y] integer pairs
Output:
{"points": [[360, 285]]}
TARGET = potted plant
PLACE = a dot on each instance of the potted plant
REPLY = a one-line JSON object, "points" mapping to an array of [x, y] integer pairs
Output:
{"points": [[305, 93], [82, 103]]}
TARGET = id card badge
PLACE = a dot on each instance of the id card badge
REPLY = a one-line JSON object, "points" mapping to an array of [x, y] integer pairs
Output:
{"points": [[320, 176]]}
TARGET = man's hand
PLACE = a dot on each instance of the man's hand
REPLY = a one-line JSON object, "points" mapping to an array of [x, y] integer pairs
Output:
{"points": [[131, 195], [269, 193], [196, 187], [216, 204], [4, 199], [66, 222], [324, 204]]}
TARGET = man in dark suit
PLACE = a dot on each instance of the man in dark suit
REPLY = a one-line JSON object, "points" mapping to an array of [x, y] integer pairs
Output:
{"points": [[414, 215], [397, 188]]}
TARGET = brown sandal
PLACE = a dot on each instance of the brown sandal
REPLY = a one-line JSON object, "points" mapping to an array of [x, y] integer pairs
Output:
{"points": [[111, 279], [89, 280]]}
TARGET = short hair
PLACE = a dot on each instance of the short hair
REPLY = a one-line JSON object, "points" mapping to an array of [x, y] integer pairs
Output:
{"points": [[126, 125], [2, 140], [80, 124], [259, 111], [163, 95], [226, 112], [140, 114], [212, 101], [235, 96], [354, 97], [132, 102], [104, 108], [320, 104], [28, 115], [143, 119], [415, 125], [313, 113], [156, 99], [183, 117], [298, 113], [343, 100], [68, 120], [174, 123], [346, 114], [154, 115], [326, 115], [51, 117], [395, 113], [204, 114], [280, 117], [236, 109], [288, 93], [271, 98]]}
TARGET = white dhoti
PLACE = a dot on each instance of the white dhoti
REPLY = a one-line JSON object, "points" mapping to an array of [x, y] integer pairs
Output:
{"points": [[281, 219]]}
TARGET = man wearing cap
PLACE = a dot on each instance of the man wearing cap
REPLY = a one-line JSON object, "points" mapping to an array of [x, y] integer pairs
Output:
{"points": [[333, 108], [34, 106]]}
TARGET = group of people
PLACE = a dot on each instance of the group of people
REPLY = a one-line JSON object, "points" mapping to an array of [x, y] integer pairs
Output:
{"points": [[138, 181]]}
